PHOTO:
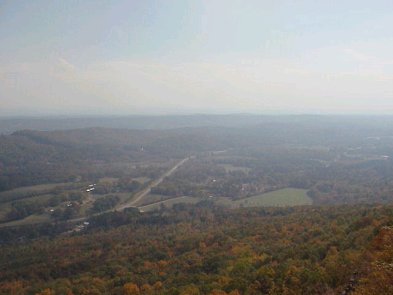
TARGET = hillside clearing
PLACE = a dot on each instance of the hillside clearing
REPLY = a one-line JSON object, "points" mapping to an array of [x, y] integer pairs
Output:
{"points": [[278, 198]]}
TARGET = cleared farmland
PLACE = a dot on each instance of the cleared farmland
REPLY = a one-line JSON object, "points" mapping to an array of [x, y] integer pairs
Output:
{"points": [[278, 198]]}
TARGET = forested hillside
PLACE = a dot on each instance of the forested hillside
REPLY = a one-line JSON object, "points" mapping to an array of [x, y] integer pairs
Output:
{"points": [[202, 250]]}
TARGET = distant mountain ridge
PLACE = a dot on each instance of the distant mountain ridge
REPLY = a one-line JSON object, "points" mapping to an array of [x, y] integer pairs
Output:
{"points": [[9, 125]]}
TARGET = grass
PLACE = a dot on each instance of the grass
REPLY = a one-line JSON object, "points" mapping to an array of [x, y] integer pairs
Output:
{"points": [[282, 197], [34, 190], [32, 219], [4, 210], [152, 198], [26, 192], [169, 203], [278, 198], [111, 180], [142, 179], [35, 193], [231, 168], [122, 196]]}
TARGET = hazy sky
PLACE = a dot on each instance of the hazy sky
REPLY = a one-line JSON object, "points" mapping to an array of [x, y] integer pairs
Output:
{"points": [[130, 57]]}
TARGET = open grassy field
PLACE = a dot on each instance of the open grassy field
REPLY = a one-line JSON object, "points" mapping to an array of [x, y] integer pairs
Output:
{"points": [[26, 192], [35, 190], [152, 198], [113, 180], [142, 179], [32, 219], [108, 180], [278, 198], [231, 168]]}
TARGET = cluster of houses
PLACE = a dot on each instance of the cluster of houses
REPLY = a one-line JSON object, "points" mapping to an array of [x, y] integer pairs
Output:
{"points": [[91, 188], [51, 210], [81, 226]]}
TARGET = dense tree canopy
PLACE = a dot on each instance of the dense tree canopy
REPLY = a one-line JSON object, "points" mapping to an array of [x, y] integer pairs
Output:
{"points": [[201, 250]]}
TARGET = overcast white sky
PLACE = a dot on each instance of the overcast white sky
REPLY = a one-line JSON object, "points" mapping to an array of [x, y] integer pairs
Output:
{"points": [[134, 57]]}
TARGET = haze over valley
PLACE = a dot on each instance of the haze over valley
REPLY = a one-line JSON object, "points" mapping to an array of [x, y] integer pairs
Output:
{"points": [[196, 147]]}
